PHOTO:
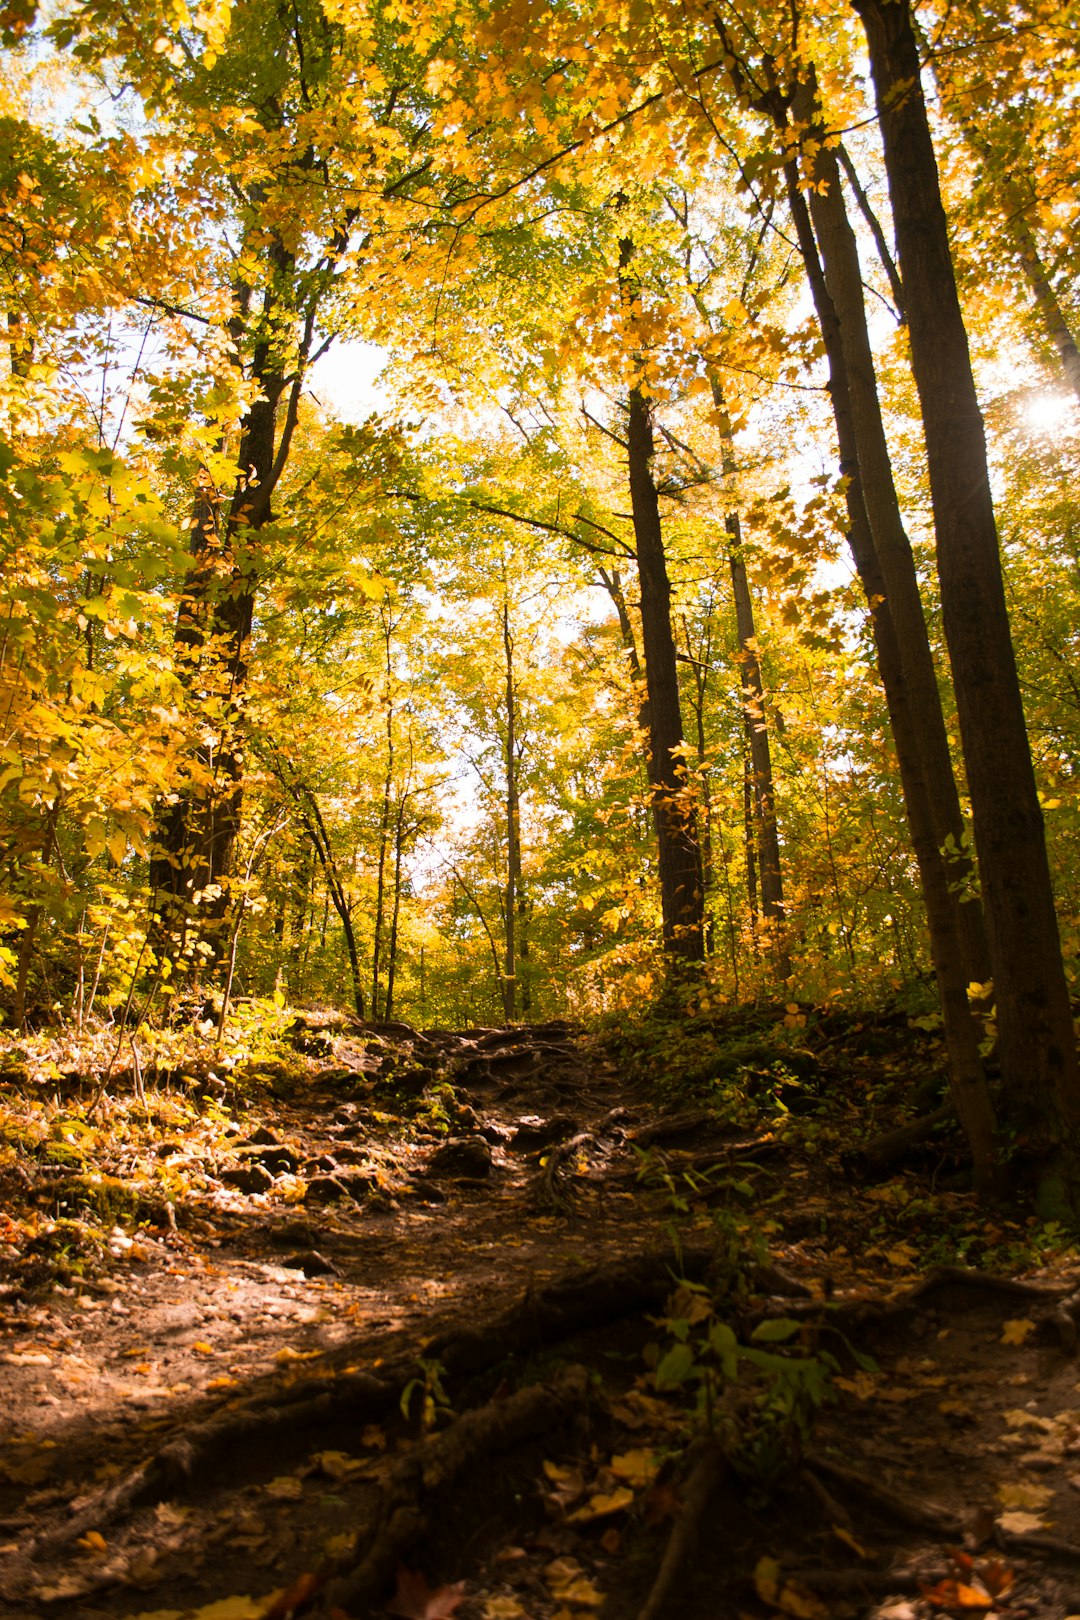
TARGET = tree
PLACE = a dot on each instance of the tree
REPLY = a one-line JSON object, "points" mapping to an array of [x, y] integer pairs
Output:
{"points": [[1038, 1046]]}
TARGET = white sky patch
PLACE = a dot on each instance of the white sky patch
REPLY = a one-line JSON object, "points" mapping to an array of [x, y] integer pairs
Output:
{"points": [[347, 381], [1051, 414]]}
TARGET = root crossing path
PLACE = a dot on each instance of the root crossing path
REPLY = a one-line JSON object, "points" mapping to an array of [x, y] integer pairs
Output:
{"points": [[440, 1323]]}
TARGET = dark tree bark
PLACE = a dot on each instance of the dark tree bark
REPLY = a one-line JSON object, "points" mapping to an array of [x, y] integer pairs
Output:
{"points": [[1037, 1042], [682, 897], [909, 725], [196, 834], [754, 712], [512, 894]]}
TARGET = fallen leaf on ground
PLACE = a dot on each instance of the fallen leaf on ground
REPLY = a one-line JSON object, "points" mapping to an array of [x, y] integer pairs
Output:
{"points": [[602, 1505], [415, 1600], [503, 1608], [287, 1488], [1016, 1330], [636, 1468], [287, 1353], [1022, 1495], [300, 1592], [93, 1541], [849, 1541], [862, 1386], [234, 1608], [956, 1595], [1016, 1417], [1020, 1524], [338, 1464], [570, 1584]]}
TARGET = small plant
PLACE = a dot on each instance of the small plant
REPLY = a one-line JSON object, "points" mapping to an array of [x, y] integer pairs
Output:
{"points": [[756, 1399], [424, 1396]]}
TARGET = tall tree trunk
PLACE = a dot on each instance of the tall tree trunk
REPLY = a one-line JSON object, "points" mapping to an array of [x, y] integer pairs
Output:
{"points": [[909, 727], [682, 887], [196, 834], [700, 676], [753, 703], [513, 827], [395, 912], [1037, 1041], [384, 827], [682, 898]]}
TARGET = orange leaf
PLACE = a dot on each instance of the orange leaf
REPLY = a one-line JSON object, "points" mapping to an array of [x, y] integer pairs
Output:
{"points": [[301, 1591], [415, 1600], [955, 1595]]}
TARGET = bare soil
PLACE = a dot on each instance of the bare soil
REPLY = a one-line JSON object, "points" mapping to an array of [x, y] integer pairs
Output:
{"points": [[479, 1323]]}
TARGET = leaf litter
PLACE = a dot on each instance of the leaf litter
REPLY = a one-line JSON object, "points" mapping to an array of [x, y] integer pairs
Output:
{"points": [[126, 1331]]}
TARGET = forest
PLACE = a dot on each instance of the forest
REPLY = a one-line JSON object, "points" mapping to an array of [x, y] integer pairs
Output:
{"points": [[540, 543]]}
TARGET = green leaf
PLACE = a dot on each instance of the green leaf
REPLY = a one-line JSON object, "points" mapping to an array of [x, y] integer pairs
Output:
{"points": [[775, 1330], [675, 1368]]}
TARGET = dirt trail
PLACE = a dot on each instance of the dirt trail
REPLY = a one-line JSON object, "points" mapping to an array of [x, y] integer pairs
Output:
{"points": [[407, 1342]]}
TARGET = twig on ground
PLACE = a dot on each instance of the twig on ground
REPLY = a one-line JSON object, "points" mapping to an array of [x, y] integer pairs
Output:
{"points": [[921, 1514]]}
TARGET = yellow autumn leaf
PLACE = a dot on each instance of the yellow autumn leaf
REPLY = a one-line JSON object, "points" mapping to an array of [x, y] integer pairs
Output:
{"points": [[800, 1601], [1016, 1418], [637, 1468], [503, 1608], [1017, 1329], [287, 1353], [235, 1608], [1023, 1495], [849, 1541], [338, 1464], [767, 1579], [286, 1487], [1020, 1524], [94, 1542], [570, 1584], [602, 1505], [201, 1348]]}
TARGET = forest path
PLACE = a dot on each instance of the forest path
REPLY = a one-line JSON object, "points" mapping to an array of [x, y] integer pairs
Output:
{"points": [[206, 1405]]}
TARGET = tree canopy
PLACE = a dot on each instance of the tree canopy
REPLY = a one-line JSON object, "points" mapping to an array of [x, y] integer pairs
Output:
{"points": [[694, 616]]}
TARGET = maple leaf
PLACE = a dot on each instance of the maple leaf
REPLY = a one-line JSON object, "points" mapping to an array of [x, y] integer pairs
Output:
{"points": [[1017, 1330], [956, 1595], [415, 1600]]}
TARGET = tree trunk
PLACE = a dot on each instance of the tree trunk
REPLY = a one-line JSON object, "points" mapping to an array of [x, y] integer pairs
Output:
{"points": [[682, 899], [909, 728], [757, 727], [384, 829], [395, 913], [1038, 1047], [196, 834], [513, 827]]}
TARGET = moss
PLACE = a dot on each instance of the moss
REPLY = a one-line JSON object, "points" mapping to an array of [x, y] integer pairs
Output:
{"points": [[110, 1199]]}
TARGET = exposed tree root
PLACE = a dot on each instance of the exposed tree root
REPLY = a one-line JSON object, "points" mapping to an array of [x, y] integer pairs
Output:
{"points": [[583, 1302], [554, 1193], [708, 1466], [864, 1313], [178, 1463], [842, 1581], [920, 1514], [438, 1463], [880, 1156], [1035, 1542]]}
